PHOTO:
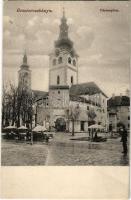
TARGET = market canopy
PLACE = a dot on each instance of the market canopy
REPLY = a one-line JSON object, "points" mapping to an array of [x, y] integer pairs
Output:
{"points": [[10, 127], [96, 126], [39, 128], [22, 128]]}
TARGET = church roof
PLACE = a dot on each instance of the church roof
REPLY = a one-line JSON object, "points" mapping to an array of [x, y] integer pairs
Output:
{"points": [[59, 87], [83, 100], [86, 88], [39, 94], [118, 101]]}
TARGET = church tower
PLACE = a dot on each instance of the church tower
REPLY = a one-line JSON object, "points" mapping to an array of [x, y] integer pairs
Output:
{"points": [[24, 74], [64, 60], [63, 72]]}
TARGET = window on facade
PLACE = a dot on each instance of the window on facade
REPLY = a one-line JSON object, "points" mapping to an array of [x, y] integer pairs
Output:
{"points": [[54, 61], [58, 80], [128, 117], [58, 92], [71, 79], [69, 60], [128, 125], [88, 108], [60, 60], [74, 62]]}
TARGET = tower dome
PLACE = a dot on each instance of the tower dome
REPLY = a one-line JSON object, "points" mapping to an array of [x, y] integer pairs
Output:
{"points": [[63, 41]]}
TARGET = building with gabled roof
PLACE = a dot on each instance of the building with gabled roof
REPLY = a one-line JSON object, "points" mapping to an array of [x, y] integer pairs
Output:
{"points": [[89, 88], [58, 106], [119, 112], [66, 94]]}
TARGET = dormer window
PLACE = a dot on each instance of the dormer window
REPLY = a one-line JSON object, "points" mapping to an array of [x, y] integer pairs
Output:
{"points": [[69, 60], [74, 62], [54, 61], [60, 60]]}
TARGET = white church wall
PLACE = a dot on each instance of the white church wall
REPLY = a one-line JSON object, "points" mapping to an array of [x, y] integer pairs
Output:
{"points": [[54, 73], [71, 73], [59, 98]]}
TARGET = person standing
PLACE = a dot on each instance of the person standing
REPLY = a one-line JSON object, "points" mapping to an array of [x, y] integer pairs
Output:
{"points": [[47, 139], [123, 133]]}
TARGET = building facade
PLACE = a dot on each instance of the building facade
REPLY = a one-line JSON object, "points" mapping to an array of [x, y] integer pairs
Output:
{"points": [[119, 112], [67, 100]]}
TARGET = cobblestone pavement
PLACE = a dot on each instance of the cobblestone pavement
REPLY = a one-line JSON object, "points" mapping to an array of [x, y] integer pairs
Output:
{"points": [[63, 151], [22, 153]]}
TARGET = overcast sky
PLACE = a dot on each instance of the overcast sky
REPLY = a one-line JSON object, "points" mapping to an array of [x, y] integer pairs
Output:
{"points": [[100, 38]]}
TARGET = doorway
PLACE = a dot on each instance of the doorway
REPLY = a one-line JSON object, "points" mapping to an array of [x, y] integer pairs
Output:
{"points": [[82, 125], [60, 124]]}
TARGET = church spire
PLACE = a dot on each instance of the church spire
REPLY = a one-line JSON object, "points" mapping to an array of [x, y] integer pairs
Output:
{"points": [[25, 58], [25, 63], [63, 27], [63, 40], [64, 13]]}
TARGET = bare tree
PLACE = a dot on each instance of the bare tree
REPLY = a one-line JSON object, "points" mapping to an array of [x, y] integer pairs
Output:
{"points": [[24, 107], [4, 105], [91, 119], [16, 106], [73, 116], [91, 116]]}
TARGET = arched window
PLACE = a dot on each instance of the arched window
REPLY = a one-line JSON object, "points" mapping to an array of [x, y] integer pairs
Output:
{"points": [[54, 61], [60, 60], [72, 80], [58, 80], [74, 62], [69, 60]]}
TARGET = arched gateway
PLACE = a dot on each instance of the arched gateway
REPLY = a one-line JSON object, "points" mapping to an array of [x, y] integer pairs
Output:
{"points": [[60, 124]]}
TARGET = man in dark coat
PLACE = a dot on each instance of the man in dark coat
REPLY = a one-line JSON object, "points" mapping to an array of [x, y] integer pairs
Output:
{"points": [[123, 133]]}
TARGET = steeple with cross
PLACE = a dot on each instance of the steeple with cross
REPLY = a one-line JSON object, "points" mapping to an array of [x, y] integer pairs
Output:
{"points": [[63, 60], [63, 27], [24, 75]]}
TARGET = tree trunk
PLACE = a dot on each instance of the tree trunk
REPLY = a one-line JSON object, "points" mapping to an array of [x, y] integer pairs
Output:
{"points": [[73, 126], [18, 121]]}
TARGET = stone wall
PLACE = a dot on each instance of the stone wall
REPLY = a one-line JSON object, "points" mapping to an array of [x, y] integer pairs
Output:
{"points": [[58, 98]]}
